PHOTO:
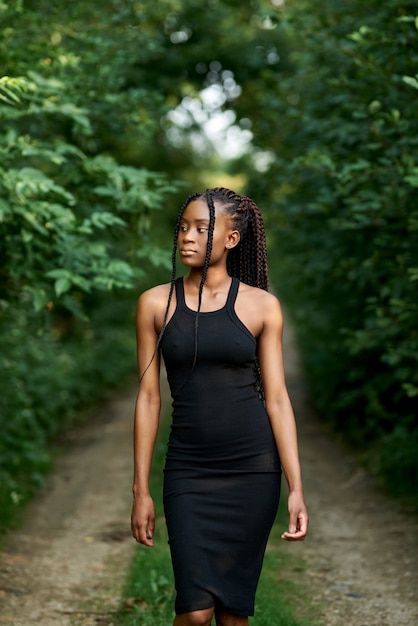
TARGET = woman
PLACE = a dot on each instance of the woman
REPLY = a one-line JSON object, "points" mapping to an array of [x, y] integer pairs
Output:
{"points": [[233, 429]]}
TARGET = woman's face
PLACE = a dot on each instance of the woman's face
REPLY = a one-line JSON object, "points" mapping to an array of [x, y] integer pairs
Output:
{"points": [[193, 234]]}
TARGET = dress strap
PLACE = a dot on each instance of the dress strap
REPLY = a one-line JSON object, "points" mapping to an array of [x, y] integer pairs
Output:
{"points": [[181, 301], [233, 292]]}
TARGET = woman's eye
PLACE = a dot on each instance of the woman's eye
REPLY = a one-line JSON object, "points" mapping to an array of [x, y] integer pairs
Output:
{"points": [[200, 229]]}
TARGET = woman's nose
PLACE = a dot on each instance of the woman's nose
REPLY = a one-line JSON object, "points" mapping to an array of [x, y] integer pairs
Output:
{"points": [[187, 235]]}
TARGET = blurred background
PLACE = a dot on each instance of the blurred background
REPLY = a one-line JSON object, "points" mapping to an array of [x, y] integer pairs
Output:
{"points": [[111, 113]]}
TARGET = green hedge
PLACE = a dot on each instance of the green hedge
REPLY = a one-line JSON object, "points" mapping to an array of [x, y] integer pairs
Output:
{"points": [[343, 220], [49, 380]]}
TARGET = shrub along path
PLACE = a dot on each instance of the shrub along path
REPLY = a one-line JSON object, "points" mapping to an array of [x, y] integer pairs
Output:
{"points": [[66, 565]]}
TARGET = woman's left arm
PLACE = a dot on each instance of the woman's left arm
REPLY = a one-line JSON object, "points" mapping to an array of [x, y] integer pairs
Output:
{"points": [[280, 412]]}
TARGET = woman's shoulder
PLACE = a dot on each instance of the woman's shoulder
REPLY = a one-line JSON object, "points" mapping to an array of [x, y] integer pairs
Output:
{"points": [[259, 297], [155, 297], [259, 309]]}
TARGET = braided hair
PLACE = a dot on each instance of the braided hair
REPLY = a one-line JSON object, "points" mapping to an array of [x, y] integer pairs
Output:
{"points": [[247, 261]]}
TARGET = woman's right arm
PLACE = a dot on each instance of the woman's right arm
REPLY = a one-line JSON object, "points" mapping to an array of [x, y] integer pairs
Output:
{"points": [[147, 413]]}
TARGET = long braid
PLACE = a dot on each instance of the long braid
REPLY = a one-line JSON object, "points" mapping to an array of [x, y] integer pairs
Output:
{"points": [[205, 270], [172, 280]]}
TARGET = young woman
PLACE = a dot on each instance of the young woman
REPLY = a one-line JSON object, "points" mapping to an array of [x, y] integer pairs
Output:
{"points": [[233, 428]]}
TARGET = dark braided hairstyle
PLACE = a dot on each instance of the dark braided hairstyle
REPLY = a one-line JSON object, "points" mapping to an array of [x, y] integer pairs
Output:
{"points": [[247, 261]]}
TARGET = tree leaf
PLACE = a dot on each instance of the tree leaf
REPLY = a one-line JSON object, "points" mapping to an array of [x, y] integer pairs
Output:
{"points": [[62, 285], [412, 81]]}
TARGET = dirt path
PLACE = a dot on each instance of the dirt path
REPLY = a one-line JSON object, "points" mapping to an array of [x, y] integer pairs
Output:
{"points": [[362, 551], [66, 565]]}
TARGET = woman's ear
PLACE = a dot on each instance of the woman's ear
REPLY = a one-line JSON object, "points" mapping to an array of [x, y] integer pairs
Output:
{"points": [[233, 239]]}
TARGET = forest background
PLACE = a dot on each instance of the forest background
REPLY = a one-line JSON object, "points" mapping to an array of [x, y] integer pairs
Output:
{"points": [[111, 113]]}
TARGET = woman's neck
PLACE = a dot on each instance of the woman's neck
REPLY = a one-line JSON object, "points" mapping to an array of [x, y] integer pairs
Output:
{"points": [[216, 279]]}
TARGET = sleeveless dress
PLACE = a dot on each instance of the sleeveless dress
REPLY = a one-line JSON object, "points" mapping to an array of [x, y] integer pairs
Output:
{"points": [[222, 470]]}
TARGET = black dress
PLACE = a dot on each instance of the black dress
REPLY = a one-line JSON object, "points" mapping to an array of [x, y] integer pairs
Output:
{"points": [[222, 471]]}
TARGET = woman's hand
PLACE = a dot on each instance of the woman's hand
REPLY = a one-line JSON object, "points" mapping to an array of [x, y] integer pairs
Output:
{"points": [[143, 520], [298, 518]]}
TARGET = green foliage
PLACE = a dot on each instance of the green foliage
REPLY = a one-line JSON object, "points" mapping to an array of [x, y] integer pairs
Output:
{"points": [[50, 373], [342, 189], [63, 213], [75, 221]]}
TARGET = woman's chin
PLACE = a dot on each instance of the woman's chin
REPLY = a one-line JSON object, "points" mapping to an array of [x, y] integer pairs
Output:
{"points": [[190, 261]]}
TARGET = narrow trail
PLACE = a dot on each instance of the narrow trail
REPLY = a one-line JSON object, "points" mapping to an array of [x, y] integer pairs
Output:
{"points": [[68, 562], [362, 550], [66, 565]]}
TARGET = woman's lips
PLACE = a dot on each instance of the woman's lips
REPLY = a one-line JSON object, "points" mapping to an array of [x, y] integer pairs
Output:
{"points": [[187, 252]]}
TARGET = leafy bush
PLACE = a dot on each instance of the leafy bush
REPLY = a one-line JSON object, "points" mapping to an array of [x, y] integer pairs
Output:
{"points": [[74, 225], [47, 382], [344, 216]]}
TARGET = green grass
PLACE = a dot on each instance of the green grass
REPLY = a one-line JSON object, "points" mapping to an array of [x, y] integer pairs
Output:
{"points": [[282, 598]]}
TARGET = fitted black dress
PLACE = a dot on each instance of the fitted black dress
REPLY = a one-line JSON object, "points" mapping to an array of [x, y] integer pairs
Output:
{"points": [[222, 471]]}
